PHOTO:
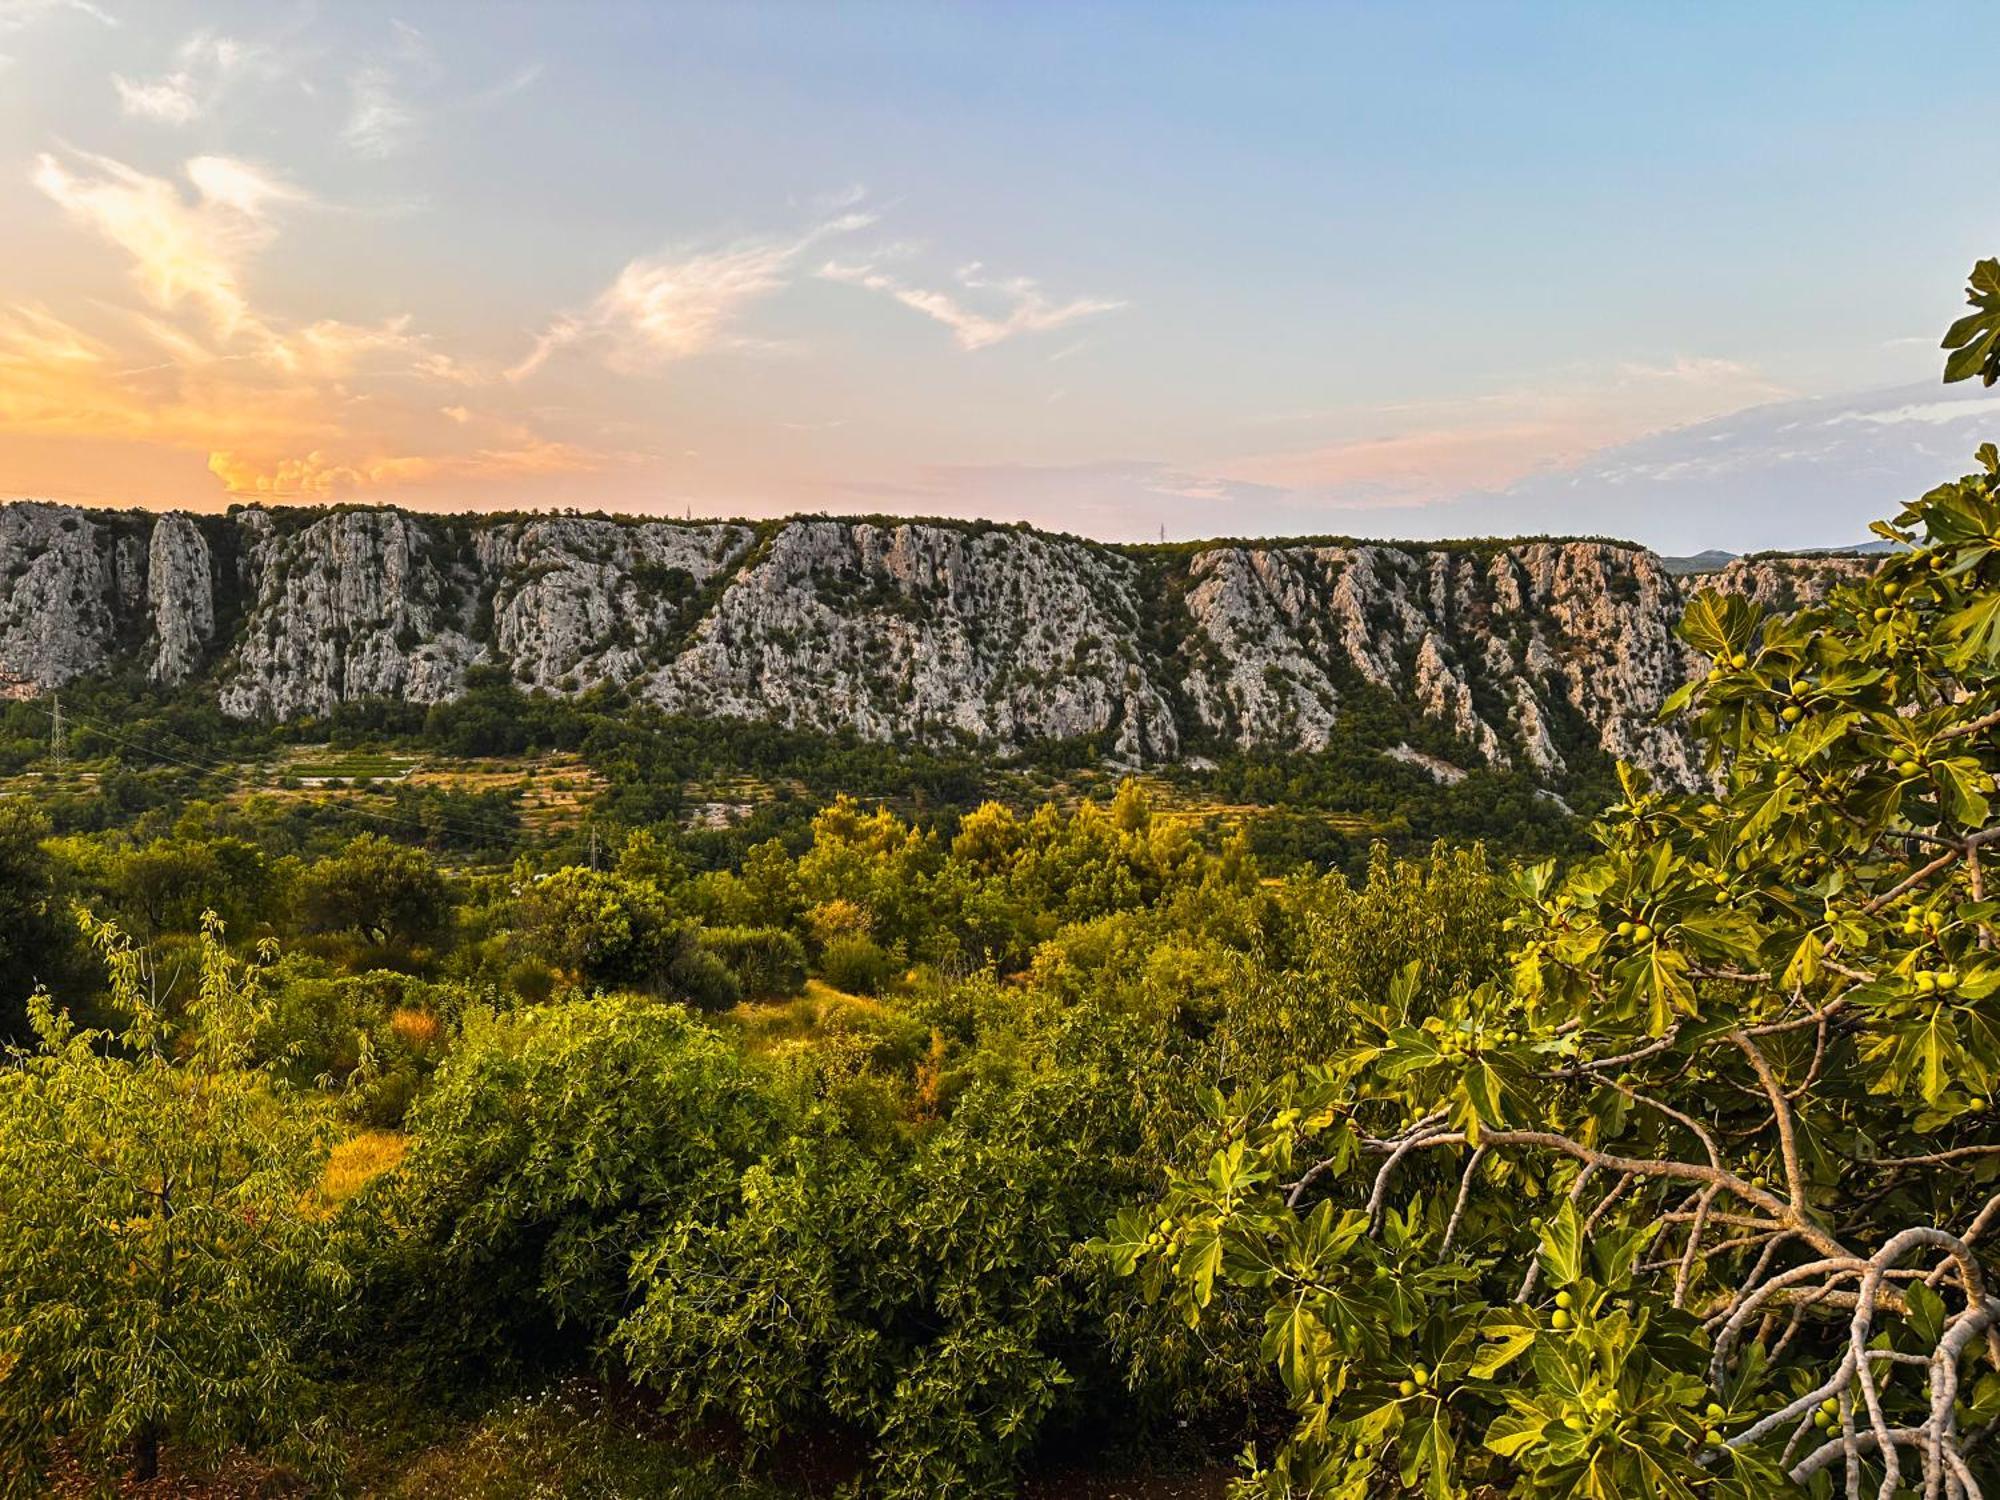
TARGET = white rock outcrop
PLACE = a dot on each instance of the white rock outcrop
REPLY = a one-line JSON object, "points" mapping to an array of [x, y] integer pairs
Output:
{"points": [[60, 601], [999, 635], [583, 601], [1500, 645], [360, 604], [1527, 654], [180, 597]]}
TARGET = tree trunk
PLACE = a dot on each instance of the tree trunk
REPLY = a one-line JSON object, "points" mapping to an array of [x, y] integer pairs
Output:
{"points": [[146, 1453]]}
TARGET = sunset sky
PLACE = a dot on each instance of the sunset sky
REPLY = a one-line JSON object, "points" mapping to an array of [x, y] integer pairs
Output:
{"points": [[1216, 269]]}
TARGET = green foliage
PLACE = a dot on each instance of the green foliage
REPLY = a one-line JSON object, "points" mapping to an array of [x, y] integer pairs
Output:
{"points": [[857, 964], [166, 885], [1663, 1173], [1612, 1224], [549, 1144], [768, 963], [1974, 340], [836, 1213], [156, 1248], [385, 892], [616, 931], [36, 943], [915, 1294]]}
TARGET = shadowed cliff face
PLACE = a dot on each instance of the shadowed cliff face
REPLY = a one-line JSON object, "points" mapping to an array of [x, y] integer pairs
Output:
{"points": [[1530, 653]]}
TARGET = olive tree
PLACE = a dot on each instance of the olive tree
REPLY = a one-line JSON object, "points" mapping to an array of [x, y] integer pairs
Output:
{"points": [[386, 892], [156, 1234], [1695, 1198]]}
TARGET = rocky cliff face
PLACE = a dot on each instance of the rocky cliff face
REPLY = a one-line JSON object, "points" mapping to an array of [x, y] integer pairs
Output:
{"points": [[1536, 655], [362, 604], [180, 596], [60, 601], [998, 635], [582, 602], [1519, 650]]}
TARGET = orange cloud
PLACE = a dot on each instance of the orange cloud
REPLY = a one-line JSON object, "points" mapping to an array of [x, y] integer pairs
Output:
{"points": [[57, 379], [320, 476], [667, 308], [180, 250], [281, 409]]}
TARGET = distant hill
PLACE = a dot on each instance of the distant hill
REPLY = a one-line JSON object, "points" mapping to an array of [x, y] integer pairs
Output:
{"points": [[1711, 561], [1541, 654], [1714, 560]]}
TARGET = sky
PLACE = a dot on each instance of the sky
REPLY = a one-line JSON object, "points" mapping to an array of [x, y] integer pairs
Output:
{"points": [[1671, 272]]}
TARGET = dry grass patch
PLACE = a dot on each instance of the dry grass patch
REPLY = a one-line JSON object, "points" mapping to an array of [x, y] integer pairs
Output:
{"points": [[358, 1161]]}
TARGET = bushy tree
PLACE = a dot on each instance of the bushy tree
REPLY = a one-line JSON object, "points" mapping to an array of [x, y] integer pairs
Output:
{"points": [[614, 931], [169, 884], [917, 1295], [386, 892], [157, 1243], [1694, 1199], [767, 963], [551, 1142], [35, 938]]}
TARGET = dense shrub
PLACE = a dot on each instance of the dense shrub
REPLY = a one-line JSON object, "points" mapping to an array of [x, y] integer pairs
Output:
{"points": [[381, 890], [550, 1143], [857, 964], [702, 978], [769, 963]]}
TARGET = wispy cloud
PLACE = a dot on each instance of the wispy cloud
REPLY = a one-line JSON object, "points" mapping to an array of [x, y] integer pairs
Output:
{"points": [[15, 14], [180, 250], [379, 123], [1023, 307], [383, 117], [206, 61], [673, 307], [18, 15], [292, 436], [32, 336], [282, 407], [196, 252], [57, 379], [170, 100], [320, 475], [1411, 453], [519, 81], [1928, 413]]}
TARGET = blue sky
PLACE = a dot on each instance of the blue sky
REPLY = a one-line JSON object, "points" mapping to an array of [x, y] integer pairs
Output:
{"points": [[1405, 270]]}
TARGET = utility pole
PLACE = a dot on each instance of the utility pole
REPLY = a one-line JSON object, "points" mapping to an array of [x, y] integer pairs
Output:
{"points": [[58, 735], [593, 846]]}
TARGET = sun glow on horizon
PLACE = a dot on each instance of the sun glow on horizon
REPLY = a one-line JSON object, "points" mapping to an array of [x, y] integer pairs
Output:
{"points": [[552, 263]]}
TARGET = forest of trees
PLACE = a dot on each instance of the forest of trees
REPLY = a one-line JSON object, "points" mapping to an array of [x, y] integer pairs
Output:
{"points": [[925, 1153]]}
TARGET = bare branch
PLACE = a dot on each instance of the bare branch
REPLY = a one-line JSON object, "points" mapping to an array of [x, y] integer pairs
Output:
{"points": [[1464, 1194]]}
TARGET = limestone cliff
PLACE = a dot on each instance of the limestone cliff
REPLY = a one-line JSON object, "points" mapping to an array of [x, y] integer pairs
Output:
{"points": [[1538, 655], [996, 634]]}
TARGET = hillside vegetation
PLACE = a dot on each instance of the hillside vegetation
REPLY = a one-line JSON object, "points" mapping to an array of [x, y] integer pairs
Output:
{"points": [[1544, 659], [1075, 1145]]}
